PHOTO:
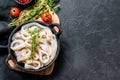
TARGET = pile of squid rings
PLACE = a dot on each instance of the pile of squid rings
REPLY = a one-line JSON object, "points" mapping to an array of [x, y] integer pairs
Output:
{"points": [[44, 52]]}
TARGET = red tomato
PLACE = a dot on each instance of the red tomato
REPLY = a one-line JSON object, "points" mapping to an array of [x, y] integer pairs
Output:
{"points": [[46, 17], [14, 12], [24, 1]]}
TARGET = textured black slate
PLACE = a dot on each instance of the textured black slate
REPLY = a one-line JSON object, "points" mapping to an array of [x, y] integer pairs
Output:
{"points": [[90, 42]]}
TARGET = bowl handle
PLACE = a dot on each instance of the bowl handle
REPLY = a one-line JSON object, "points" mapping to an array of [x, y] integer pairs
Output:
{"points": [[11, 64], [56, 29]]}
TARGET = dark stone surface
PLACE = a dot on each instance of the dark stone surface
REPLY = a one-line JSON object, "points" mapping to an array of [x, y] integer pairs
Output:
{"points": [[90, 42]]}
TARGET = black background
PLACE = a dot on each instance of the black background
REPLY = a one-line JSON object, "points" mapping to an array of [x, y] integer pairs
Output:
{"points": [[90, 42]]}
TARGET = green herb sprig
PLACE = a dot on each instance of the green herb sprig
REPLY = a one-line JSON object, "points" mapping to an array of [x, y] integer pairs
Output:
{"points": [[34, 12], [34, 36]]}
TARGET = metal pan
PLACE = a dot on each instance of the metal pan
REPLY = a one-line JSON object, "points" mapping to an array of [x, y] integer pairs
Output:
{"points": [[12, 58]]}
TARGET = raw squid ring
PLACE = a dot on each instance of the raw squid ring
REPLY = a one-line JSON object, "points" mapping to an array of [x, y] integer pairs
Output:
{"points": [[44, 47], [17, 45], [41, 38], [43, 57], [23, 55], [47, 33], [28, 43], [24, 28], [36, 56], [42, 34], [26, 53], [30, 26], [25, 35], [17, 35], [17, 53], [32, 64], [34, 28]]}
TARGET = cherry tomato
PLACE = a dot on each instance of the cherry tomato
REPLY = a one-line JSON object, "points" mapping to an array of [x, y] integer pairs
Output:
{"points": [[24, 1], [14, 12], [46, 17]]}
